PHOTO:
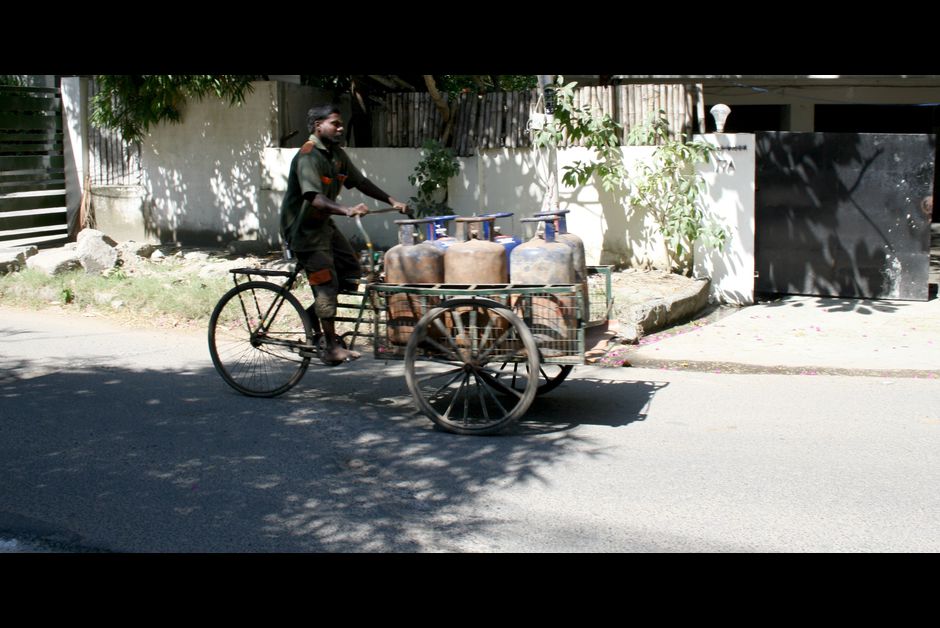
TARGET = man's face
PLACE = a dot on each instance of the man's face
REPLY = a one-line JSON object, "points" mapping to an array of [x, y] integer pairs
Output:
{"points": [[330, 130]]}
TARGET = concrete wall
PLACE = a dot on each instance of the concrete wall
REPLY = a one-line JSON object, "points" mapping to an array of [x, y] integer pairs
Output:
{"points": [[514, 180], [220, 176], [729, 180], [203, 177], [74, 132], [386, 167]]}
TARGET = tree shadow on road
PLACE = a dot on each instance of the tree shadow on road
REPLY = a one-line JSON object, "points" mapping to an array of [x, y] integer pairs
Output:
{"points": [[838, 304], [160, 461]]}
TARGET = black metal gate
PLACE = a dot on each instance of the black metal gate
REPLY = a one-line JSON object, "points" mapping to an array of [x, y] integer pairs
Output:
{"points": [[32, 167], [844, 214]]}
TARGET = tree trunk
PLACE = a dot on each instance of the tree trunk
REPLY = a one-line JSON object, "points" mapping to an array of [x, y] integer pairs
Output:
{"points": [[448, 113]]}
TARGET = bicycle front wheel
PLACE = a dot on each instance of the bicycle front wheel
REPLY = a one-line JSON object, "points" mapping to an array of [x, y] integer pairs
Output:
{"points": [[257, 333]]}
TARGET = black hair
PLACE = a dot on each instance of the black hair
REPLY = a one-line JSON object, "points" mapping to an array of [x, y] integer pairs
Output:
{"points": [[320, 112]]}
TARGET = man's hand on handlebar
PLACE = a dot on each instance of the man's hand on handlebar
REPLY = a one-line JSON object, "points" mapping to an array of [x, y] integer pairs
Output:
{"points": [[401, 207], [358, 210]]}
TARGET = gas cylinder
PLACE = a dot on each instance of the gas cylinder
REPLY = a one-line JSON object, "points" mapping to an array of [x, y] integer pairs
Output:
{"points": [[508, 242], [475, 258], [543, 260], [436, 232], [577, 248], [409, 263], [552, 318]]}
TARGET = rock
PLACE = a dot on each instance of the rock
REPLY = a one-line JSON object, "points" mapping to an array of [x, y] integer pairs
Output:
{"points": [[157, 256], [130, 249], [96, 251], [14, 258], [103, 298], [628, 334], [649, 301], [248, 247], [94, 233], [196, 256], [55, 261]]}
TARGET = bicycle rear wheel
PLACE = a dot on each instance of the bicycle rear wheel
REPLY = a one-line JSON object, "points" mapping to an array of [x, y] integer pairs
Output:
{"points": [[256, 335]]}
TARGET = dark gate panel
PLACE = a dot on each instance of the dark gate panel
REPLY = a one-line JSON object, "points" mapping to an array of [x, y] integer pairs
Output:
{"points": [[32, 167], [844, 214]]}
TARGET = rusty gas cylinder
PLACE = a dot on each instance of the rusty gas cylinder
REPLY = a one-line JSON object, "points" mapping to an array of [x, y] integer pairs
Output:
{"points": [[552, 318], [577, 249], [542, 259], [474, 258], [410, 263]]}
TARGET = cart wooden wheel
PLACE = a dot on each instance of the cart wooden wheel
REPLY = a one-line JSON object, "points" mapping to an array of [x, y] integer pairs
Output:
{"points": [[515, 376], [452, 361]]}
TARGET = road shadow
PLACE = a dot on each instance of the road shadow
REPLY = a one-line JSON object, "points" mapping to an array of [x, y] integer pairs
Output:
{"points": [[589, 401], [156, 461]]}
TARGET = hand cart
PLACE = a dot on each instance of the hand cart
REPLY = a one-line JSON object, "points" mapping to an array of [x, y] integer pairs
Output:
{"points": [[475, 356]]}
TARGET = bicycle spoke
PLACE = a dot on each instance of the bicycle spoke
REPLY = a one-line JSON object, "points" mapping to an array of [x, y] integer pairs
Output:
{"points": [[256, 333]]}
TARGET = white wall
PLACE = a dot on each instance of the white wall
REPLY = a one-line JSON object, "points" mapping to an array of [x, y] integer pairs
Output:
{"points": [[388, 168], [203, 177], [74, 131], [729, 180], [220, 176], [496, 180]]}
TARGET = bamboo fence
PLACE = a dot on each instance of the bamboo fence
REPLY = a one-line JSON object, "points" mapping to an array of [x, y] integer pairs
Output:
{"points": [[501, 119]]}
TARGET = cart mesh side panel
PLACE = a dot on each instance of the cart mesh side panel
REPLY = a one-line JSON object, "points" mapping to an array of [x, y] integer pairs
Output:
{"points": [[599, 294], [552, 314]]}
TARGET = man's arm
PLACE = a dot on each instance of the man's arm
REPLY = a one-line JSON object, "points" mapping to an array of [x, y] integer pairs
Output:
{"points": [[323, 204], [370, 189]]}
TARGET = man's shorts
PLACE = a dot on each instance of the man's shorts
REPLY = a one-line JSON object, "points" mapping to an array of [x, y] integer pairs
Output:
{"points": [[328, 271]]}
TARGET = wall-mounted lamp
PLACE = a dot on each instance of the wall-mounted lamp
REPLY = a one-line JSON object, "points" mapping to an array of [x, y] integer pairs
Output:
{"points": [[720, 114]]}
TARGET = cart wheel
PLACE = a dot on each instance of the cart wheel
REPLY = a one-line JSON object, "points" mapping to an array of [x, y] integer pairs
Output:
{"points": [[515, 376], [256, 362], [452, 361]]}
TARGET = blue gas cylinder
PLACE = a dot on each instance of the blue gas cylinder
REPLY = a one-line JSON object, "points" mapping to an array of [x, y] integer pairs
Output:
{"points": [[508, 242], [436, 232]]}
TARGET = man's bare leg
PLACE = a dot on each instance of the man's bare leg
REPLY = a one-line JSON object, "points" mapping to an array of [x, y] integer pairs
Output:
{"points": [[335, 353]]}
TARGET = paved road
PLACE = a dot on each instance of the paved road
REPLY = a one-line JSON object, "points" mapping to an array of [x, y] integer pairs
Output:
{"points": [[114, 439]]}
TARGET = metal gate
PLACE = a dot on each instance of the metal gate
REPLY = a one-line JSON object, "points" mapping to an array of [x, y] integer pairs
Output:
{"points": [[32, 167], [844, 214]]}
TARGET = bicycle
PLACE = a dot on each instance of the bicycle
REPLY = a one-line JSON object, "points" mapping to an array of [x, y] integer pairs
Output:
{"points": [[261, 338]]}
